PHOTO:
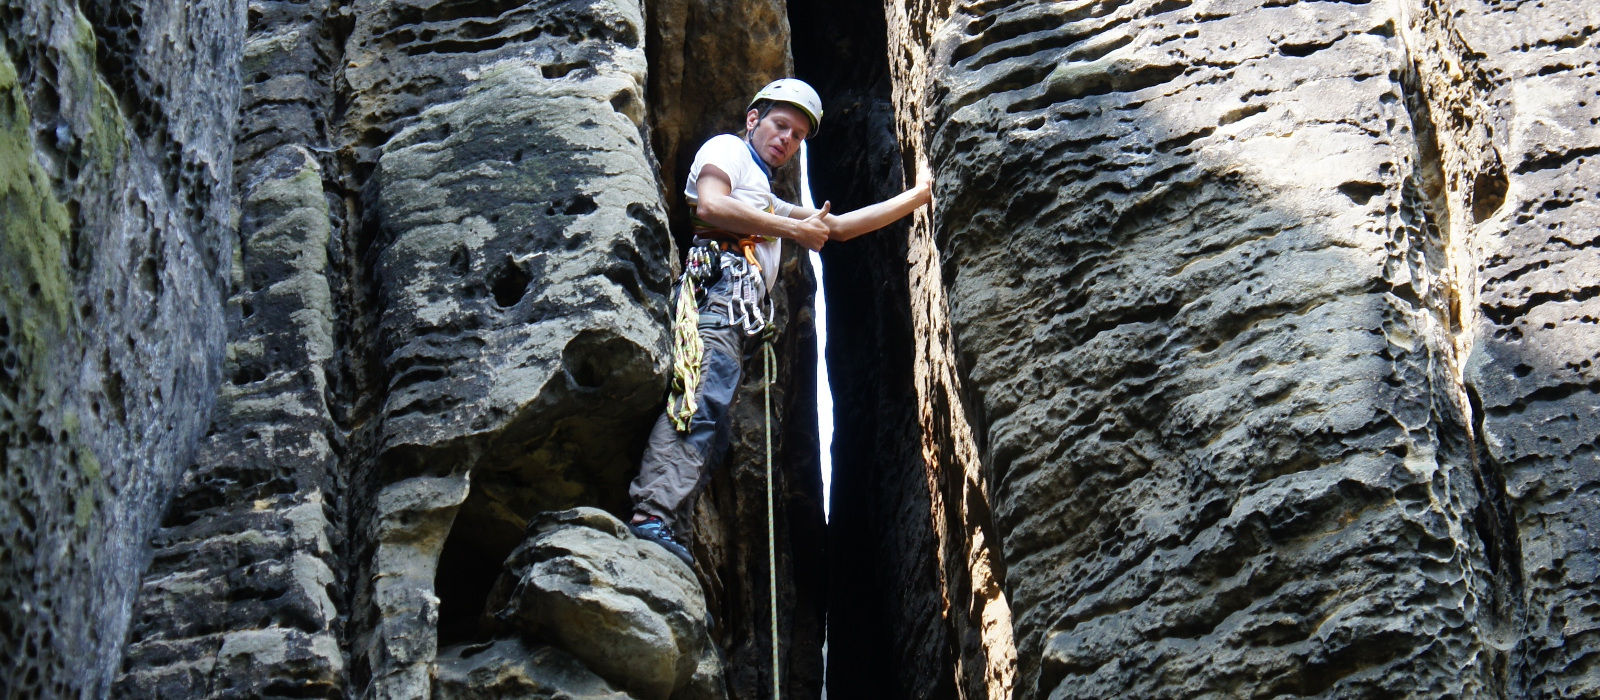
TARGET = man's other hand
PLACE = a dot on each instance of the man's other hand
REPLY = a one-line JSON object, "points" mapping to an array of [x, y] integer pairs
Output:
{"points": [[812, 231]]}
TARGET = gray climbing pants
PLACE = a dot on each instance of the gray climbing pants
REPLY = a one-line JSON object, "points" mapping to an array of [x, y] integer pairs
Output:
{"points": [[676, 466]]}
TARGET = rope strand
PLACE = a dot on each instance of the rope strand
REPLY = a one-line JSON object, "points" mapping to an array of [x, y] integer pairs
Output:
{"points": [[770, 365], [687, 352]]}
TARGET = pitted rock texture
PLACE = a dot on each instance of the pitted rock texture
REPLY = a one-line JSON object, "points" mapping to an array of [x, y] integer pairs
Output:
{"points": [[508, 668], [627, 609], [449, 315], [116, 141], [1206, 265], [520, 266], [249, 554], [246, 590], [1532, 197]]}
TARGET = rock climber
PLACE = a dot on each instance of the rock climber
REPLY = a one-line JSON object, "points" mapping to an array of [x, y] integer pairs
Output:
{"points": [[731, 266]]}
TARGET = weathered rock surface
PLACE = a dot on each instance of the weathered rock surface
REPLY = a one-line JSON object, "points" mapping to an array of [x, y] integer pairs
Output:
{"points": [[626, 608], [447, 314], [1518, 135], [1250, 351], [246, 592], [510, 668], [520, 269], [1211, 276], [116, 139]]}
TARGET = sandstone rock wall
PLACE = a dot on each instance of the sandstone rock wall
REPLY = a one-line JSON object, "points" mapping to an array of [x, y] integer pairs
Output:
{"points": [[1232, 286], [434, 238], [1248, 351], [117, 123], [1517, 124]]}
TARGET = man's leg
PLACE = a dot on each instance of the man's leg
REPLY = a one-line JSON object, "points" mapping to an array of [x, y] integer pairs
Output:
{"points": [[674, 463]]}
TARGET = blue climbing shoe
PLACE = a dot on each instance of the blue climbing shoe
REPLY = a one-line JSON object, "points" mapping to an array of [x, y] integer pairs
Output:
{"points": [[654, 530]]}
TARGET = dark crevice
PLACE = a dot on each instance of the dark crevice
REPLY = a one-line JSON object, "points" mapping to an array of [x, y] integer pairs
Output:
{"points": [[467, 572], [886, 638], [1496, 527]]}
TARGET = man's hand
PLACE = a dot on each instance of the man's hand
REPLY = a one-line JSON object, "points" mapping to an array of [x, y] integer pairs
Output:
{"points": [[923, 188], [812, 231]]}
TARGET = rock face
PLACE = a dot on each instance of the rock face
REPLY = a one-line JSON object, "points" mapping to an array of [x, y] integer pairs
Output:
{"points": [[444, 314], [1250, 351], [1230, 285], [629, 610], [116, 140]]}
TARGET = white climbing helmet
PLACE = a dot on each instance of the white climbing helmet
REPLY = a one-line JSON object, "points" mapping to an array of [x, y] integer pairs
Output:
{"points": [[794, 92]]}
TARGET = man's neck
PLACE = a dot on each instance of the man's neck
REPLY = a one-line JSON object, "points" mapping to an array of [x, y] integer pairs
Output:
{"points": [[765, 169]]}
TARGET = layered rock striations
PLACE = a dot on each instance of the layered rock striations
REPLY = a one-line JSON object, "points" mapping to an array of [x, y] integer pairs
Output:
{"points": [[435, 240], [1229, 283], [1248, 351]]}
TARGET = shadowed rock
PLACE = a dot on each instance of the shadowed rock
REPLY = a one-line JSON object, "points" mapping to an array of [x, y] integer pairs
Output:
{"points": [[510, 668]]}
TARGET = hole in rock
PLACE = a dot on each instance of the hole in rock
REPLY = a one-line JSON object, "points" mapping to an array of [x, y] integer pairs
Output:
{"points": [[1361, 192], [509, 284], [579, 205], [562, 70], [469, 565], [1488, 193], [592, 357]]}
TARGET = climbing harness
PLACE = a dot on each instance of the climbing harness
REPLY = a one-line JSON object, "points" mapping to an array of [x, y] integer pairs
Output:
{"points": [[688, 350], [770, 364], [747, 307]]}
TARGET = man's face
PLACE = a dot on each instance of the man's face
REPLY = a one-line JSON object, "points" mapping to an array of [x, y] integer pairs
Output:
{"points": [[777, 137]]}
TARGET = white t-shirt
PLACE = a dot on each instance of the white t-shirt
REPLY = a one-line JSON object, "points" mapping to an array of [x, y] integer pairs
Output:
{"points": [[751, 185]]}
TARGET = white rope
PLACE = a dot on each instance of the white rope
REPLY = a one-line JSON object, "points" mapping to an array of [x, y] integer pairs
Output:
{"points": [[770, 365]]}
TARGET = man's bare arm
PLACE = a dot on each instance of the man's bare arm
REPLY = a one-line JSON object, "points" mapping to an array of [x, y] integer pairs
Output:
{"points": [[718, 208], [843, 227]]}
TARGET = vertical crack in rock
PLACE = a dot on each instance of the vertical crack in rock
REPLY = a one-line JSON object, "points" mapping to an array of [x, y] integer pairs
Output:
{"points": [[694, 95], [245, 594], [1517, 83], [887, 634]]}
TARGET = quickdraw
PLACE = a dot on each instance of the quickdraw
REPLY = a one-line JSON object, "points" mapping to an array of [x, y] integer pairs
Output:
{"points": [[749, 307]]}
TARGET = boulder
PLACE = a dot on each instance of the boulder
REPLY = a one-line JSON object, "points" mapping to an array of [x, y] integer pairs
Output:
{"points": [[623, 606]]}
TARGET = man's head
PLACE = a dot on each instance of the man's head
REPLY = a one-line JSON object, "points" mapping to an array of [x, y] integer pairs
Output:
{"points": [[783, 114]]}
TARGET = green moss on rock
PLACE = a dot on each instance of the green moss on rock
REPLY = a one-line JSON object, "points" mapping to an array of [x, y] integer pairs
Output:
{"points": [[35, 224]]}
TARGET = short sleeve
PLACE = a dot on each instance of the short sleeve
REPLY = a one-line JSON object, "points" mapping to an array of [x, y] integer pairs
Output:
{"points": [[726, 152]]}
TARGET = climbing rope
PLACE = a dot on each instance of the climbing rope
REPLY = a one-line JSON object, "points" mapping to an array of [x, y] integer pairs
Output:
{"points": [[687, 353], [688, 350], [771, 366]]}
